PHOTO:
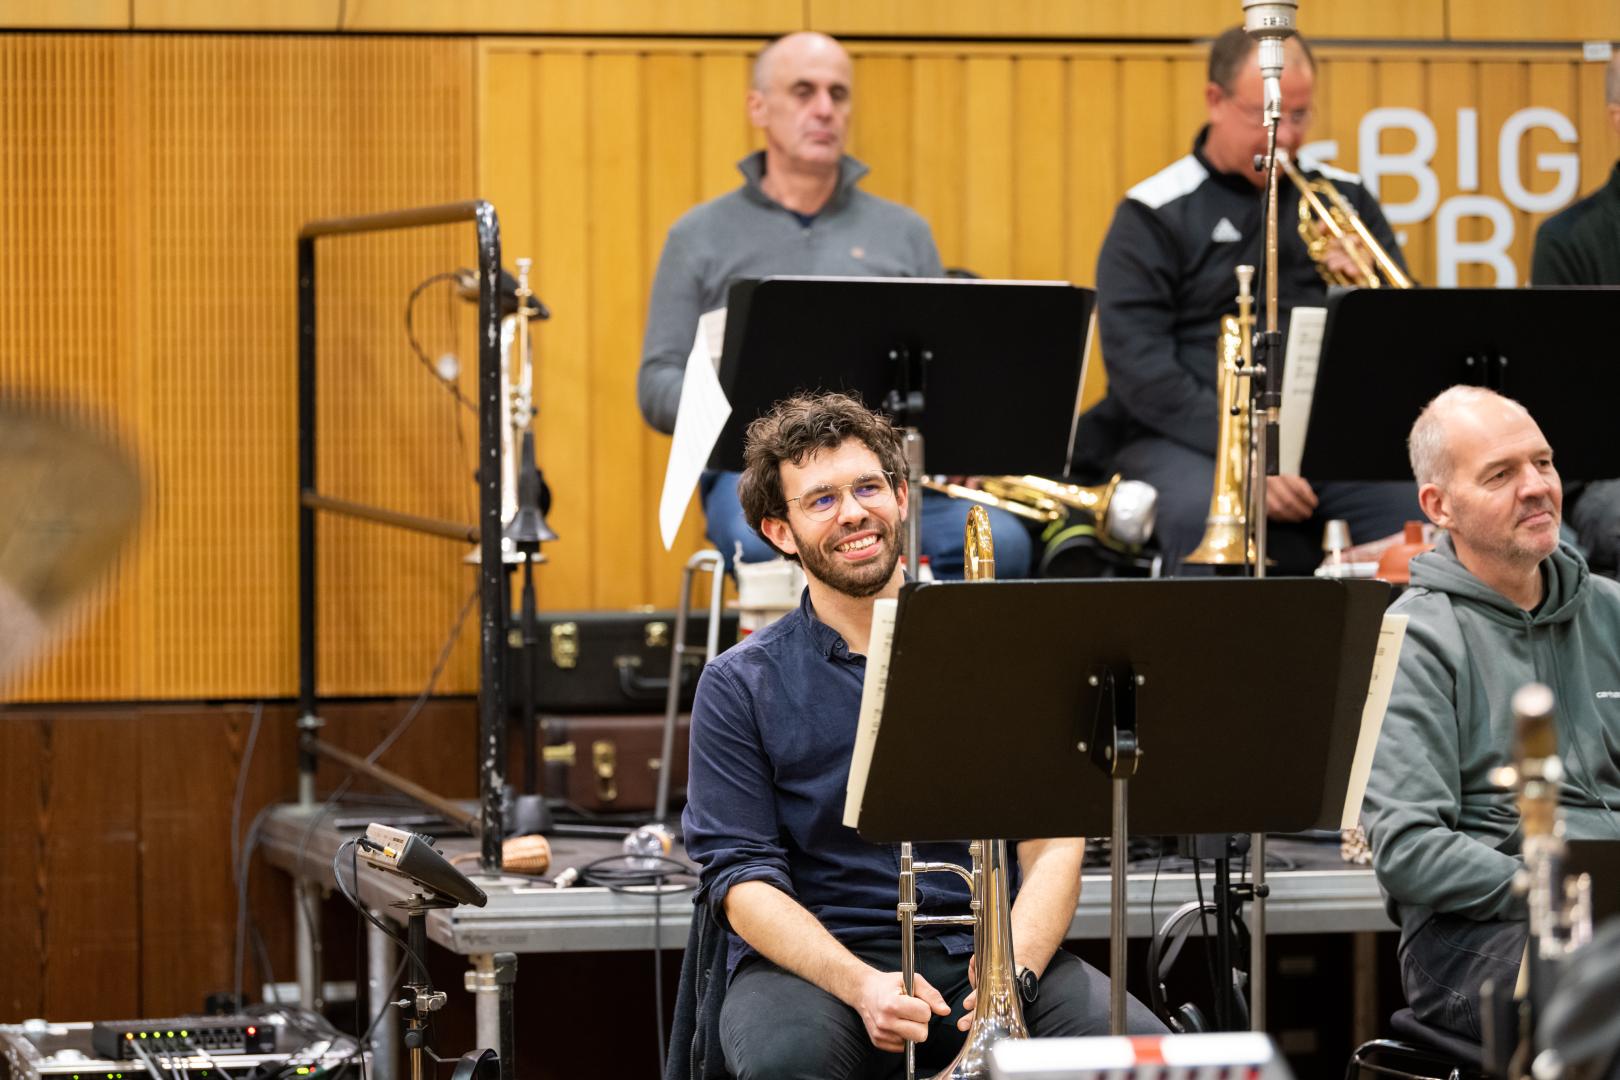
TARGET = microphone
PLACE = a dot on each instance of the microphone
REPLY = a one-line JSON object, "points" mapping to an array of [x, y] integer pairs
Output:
{"points": [[1270, 23]]}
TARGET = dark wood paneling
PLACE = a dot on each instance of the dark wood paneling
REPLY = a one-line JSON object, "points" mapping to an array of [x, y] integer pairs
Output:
{"points": [[115, 844], [91, 867], [22, 912]]}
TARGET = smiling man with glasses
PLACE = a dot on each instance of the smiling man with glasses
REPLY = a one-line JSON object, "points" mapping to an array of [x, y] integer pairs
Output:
{"points": [[1165, 277], [813, 963]]}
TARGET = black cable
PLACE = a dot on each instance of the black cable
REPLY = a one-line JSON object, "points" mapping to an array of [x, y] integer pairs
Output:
{"points": [[383, 746], [622, 874], [416, 346], [658, 976], [359, 941], [365, 1040], [1209, 956], [353, 898], [238, 873], [243, 868]]}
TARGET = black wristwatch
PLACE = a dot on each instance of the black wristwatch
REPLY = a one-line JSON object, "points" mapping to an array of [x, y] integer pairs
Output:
{"points": [[1028, 984]]}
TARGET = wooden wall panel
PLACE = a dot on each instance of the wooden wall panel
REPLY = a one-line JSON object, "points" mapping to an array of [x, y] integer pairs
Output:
{"points": [[1399, 20], [575, 16], [1168, 19], [91, 854], [1548, 20], [152, 192], [24, 800], [62, 292], [75, 14], [115, 849], [182, 166]]}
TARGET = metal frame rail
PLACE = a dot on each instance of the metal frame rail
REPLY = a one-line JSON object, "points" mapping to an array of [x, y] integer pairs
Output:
{"points": [[491, 571]]}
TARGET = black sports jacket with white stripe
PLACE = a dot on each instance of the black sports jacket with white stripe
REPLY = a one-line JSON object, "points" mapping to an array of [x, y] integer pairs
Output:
{"points": [[1165, 276]]}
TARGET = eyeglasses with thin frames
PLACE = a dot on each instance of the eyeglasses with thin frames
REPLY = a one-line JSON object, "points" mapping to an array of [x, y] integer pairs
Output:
{"points": [[822, 501], [1256, 115]]}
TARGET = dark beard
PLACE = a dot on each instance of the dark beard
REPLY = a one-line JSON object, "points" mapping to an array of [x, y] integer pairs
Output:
{"points": [[855, 582]]}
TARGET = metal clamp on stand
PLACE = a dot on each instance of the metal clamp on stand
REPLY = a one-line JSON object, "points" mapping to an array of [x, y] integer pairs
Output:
{"points": [[1116, 751]]}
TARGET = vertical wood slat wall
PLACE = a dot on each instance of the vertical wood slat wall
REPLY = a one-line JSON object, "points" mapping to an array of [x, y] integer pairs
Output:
{"points": [[153, 186]]}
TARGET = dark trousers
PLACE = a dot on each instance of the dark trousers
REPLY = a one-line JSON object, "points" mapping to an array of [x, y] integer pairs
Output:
{"points": [[1184, 478], [1446, 962], [774, 1024]]}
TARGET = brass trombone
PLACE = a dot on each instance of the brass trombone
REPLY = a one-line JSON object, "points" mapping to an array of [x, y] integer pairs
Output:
{"points": [[997, 1013]]}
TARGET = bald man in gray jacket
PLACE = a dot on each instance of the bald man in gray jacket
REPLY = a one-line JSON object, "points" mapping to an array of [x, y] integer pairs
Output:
{"points": [[1501, 602], [798, 212]]}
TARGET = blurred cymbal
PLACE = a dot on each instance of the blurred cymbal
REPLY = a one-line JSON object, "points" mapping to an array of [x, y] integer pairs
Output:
{"points": [[69, 498]]}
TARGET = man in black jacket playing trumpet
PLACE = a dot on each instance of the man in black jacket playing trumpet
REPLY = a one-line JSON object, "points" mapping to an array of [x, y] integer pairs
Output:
{"points": [[1166, 275]]}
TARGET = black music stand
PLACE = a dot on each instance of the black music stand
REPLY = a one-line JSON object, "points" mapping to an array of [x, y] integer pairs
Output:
{"points": [[1387, 352], [1083, 680], [987, 372]]}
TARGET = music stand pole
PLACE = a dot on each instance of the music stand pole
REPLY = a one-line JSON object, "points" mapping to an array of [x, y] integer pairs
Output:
{"points": [[1115, 750], [913, 443]]}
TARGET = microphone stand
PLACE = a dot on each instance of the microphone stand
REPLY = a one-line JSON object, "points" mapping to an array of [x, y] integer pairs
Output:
{"points": [[1265, 402]]}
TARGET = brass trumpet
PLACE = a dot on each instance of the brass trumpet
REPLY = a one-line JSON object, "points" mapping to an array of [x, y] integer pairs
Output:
{"points": [[1226, 539], [997, 1013], [1326, 215]]}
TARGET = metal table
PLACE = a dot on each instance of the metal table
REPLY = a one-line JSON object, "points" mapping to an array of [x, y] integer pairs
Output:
{"points": [[1323, 896]]}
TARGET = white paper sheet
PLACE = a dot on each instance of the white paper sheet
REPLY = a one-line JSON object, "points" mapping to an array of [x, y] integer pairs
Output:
{"points": [[871, 715], [1390, 636], [702, 414], [1300, 358]]}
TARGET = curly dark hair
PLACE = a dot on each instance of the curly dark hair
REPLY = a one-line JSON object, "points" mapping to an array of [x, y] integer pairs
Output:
{"points": [[798, 427]]}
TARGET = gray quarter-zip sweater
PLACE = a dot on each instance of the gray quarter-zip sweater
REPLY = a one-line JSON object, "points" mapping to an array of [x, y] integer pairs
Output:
{"points": [[1444, 837], [746, 234]]}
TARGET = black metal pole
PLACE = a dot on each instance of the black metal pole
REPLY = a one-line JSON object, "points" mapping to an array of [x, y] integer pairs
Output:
{"points": [[1223, 939], [530, 654], [491, 577], [506, 981], [306, 514], [494, 600]]}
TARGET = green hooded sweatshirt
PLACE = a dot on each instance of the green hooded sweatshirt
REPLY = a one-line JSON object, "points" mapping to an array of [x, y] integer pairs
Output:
{"points": [[1444, 838]]}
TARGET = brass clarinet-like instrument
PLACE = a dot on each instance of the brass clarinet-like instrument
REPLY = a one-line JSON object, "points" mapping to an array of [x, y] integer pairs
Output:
{"points": [[997, 1014], [1227, 542], [1325, 215]]}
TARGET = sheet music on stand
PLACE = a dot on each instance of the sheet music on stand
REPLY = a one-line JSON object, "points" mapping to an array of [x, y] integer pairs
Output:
{"points": [[1304, 350], [873, 688], [1391, 633], [702, 414]]}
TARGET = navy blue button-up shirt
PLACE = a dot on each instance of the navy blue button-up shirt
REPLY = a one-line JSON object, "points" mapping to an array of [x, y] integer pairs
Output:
{"points": [[773, 727]]}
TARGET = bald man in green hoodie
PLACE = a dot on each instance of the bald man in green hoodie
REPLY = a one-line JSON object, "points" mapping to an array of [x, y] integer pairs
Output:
{"points": [[1499, 603]]}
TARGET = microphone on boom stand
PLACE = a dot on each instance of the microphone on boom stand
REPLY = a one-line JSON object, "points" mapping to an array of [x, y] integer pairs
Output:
{"points": [[1271, 24]]}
